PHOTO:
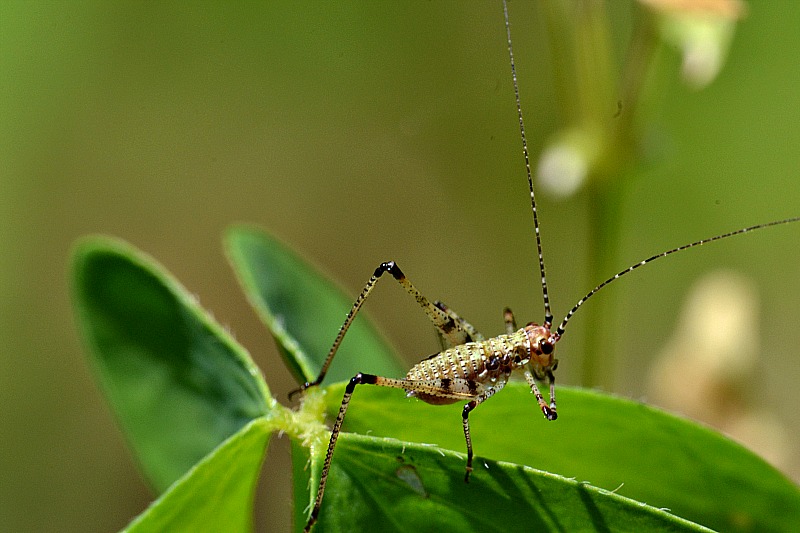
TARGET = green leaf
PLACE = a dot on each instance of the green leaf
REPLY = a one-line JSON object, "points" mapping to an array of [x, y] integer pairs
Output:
{"points": [[621, 445], [304, 310], [179, 384], [412, 487], [215, 495]]}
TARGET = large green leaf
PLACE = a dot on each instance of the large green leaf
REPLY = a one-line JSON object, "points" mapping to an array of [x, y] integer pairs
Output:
{"points": [[215, 495], [177, 381], [412, 487], [304, 309], [631, 448]]}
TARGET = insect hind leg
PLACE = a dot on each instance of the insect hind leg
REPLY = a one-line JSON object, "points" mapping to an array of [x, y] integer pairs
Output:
{"points": [[358, 379], [450, 325], [452, 389], [463, 332]]}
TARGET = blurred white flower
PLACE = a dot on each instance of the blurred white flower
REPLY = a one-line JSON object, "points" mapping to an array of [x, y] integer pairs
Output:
{"points": [[706, 371], [565, 164], [713, 350], [702, 30]]}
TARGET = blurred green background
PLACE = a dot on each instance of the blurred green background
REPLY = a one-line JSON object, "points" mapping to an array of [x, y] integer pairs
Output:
{"points": [[359, 132]]}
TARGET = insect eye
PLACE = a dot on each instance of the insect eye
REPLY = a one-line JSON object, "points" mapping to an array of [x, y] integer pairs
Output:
{"points": [[546, 346]]}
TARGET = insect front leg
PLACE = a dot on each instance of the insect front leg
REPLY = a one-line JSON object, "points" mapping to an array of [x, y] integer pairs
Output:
{"points": [[549, 411], [552, 380]]}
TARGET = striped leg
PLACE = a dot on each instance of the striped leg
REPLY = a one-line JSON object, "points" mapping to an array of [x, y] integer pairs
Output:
{"points": [[455, 389], [337, 426], [450, 326], [549, 412], [511, 322], [485, 395], [465, 333]]}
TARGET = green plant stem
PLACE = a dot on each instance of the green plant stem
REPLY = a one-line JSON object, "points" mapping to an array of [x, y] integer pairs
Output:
{"points": [[639, 62], [602, 330], [607, 185]]}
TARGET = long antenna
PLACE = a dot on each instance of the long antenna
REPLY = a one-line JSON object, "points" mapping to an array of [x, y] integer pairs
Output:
{"points": [[562, 327], [548, 316]]}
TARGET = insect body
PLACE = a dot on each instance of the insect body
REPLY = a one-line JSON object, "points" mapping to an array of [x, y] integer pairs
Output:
{"points": [[472, 368]]}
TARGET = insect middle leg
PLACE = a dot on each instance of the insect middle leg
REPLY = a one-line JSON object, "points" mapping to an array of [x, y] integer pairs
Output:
{"points": [[452, 328], [468, 408], [445, 389], [510, 321]]}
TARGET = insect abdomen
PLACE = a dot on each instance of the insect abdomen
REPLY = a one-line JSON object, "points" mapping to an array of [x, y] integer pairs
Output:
{"points": [[465, 371], [462, 362]]}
